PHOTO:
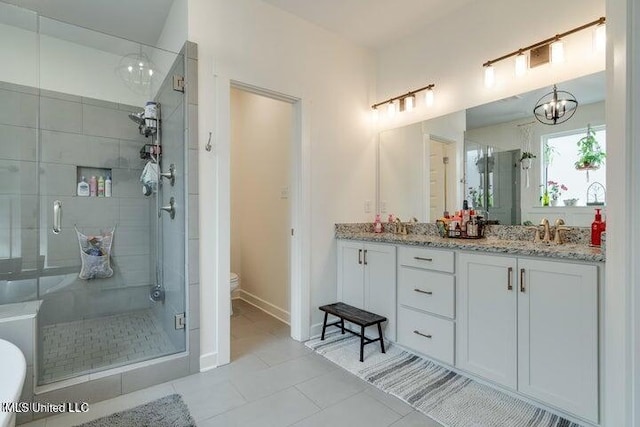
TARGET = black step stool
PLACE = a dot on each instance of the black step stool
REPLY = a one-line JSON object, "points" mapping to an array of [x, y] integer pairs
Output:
{"points": [[356, 316]]}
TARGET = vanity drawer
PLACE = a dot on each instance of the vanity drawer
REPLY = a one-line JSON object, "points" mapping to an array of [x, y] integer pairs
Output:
{"points": [[426, 290], [426, 334], [429, 259]]}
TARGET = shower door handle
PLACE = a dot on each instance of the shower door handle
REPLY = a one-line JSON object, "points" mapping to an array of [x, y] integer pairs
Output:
{"points": [[171, 175], [57, 216], [171, 208]]}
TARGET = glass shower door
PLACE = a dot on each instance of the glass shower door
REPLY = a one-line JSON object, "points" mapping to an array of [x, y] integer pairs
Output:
{"points": [[105, 319]]}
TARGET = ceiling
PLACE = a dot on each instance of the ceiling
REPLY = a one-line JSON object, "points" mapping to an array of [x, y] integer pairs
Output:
{"points": [[587, 90], [371, 23], [137, 20]]}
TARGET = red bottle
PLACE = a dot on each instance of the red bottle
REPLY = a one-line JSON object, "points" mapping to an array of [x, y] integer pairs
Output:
{"points": [[597, 227]]}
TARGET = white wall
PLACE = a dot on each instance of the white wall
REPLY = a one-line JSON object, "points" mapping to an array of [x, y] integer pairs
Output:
{"points": [[254, 43], [506, 136], [261, 134]]}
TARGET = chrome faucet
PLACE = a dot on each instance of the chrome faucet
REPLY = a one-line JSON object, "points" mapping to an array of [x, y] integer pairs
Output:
{"points": [[547, 230]]}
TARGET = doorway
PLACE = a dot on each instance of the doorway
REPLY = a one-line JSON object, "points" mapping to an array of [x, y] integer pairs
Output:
{"points": [[261, 220], [442, 182]]}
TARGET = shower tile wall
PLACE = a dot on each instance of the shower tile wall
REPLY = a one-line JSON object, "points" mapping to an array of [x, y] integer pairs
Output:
{"points": [[74, 131], [86, 132]]}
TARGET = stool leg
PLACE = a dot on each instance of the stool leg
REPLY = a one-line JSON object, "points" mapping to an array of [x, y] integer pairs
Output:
{"points": [[342, 325], [381, 338], [362, 343], [324, 325]]}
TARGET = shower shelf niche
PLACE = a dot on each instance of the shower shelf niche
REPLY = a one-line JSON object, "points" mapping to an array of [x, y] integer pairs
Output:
{"points": [[88, 172]]}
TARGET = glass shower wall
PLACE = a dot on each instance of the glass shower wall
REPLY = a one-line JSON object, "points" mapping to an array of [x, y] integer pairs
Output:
{"points": [[65, 117]]}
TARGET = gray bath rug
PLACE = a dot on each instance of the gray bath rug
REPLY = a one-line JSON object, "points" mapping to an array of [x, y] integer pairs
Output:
{"points": [[443, 395], [169, 411]]}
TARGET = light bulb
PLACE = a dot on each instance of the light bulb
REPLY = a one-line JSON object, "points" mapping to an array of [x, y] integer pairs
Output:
{"points": [[409, 102], [391, 109], [428, 97], [557, 52], [150, 72], [600, 38], [521, 64], [130, 68], [489, 76]]}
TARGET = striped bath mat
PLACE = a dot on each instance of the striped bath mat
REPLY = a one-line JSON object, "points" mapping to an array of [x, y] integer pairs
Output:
{"points": [[449, 398]]}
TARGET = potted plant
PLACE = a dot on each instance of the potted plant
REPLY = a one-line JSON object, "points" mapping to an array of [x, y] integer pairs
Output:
{"points": [[525, 159], [554, 191], [590, 154]]}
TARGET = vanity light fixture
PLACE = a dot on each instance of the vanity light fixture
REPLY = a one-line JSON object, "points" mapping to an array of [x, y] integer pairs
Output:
{"points": [[407, 101], [429, 97], [554, 45], [600, 37], [555, 107], [521, 64]]}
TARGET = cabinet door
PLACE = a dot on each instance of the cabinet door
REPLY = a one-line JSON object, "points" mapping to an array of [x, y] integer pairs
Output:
{"points": [[351, 273], [380, 285], [486, 310], [558, 335]]}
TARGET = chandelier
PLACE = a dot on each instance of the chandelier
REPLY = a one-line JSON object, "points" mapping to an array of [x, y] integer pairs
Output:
{"points": [[555, 107]]}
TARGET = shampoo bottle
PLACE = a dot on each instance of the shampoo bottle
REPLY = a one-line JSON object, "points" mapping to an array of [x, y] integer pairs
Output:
{"points": [[107, 186], [101, 186], [597, 227], [83, 188], [93, 186]]}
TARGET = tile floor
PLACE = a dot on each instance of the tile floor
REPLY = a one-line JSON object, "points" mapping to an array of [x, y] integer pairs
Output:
{"points": [[271, 381], [105, 341]]}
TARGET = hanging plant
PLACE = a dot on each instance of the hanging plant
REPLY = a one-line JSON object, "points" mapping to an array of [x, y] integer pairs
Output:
{"points": [[525, 159], [591, 156]]}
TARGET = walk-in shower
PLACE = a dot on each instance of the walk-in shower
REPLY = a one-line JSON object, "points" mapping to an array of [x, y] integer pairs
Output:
{"points": [[65, 107]]}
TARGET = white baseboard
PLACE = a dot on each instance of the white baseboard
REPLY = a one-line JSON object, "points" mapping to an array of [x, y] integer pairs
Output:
{"points": [[315, 330], [208, 361], [266, 306]]}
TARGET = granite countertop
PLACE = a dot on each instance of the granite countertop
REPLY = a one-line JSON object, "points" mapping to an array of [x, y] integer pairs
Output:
{"points": [[568, 251]]}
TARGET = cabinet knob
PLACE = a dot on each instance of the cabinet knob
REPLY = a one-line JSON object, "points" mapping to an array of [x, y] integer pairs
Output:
{"points": [[423, 292], [419, 258], [522, 280], [422, 335], [509, 274]]}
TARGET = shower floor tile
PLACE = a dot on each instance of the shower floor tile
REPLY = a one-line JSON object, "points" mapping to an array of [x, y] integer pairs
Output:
{"points": [[74, 348]]}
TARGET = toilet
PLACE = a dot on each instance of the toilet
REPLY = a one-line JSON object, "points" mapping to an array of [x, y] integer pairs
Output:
{"points": [[234, 282]]}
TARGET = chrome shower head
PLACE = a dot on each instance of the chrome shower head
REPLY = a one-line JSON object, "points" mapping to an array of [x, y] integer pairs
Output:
{"points": [[138, 118]]}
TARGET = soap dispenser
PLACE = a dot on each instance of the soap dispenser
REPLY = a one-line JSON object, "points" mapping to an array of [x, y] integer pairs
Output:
{"points": [[377, 225], [597, 227]]}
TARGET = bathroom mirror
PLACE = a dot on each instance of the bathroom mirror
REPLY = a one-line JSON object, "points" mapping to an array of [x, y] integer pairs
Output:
{"points": [[415, 181], [419, 168]]}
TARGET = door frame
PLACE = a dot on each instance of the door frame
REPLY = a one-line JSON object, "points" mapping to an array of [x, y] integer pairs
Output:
{"points": [[299, 185]]}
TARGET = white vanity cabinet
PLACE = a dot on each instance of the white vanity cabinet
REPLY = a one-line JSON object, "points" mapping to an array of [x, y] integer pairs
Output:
{"points": [[367, 279], [531, 325], [487, 316], [426, 301]]}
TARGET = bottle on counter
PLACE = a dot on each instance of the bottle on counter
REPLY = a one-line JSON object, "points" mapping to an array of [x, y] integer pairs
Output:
{"points": [[93, 187], [597, 227], [377, 225]]}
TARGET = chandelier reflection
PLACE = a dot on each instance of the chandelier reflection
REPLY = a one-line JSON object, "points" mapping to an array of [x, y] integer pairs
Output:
{"points": [[555, 107]]}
